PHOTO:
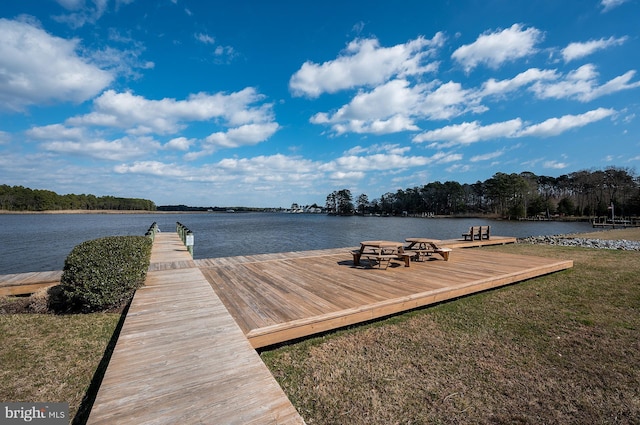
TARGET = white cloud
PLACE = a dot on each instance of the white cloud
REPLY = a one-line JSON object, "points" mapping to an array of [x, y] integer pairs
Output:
{"points": [[179, 143], [581, 84], [383, 158], [579, 50], [495, 48], [471, 132], [155, 168], [555, 165], [114, 150], [395, 105], [167, 116], [82, 12], [365, 63], [205, 38], [5, 137], [71, 4], [245, 135], [56, 132], [124, 62], [59, 139], [486, 156], [449, 100], [556, 126], [494, 87], [607, 5], [39, 68]]}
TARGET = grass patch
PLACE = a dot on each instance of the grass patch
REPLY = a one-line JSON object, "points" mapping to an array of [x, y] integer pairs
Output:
{"points": [[562, 348], [52, 358]]}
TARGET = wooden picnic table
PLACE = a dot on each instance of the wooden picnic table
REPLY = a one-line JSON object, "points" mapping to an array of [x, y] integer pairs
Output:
{"points": [[381, 250], [424, 247]]}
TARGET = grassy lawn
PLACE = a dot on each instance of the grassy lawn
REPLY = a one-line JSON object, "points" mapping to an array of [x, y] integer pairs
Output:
{"points": [[49, 358], [563, 348]]}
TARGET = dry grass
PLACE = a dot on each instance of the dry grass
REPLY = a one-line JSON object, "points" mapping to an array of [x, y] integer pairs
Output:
{"points": [[563, 348], [49, 358], [632, 234]]}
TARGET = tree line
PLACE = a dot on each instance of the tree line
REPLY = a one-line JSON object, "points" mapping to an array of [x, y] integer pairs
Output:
{"points": [[19, 198], [583, 193]]}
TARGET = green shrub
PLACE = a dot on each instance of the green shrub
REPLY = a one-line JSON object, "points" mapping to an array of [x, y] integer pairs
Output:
{"points": [[104, 273]]}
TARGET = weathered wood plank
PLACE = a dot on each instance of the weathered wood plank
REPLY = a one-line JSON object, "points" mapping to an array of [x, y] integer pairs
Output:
{"points": [[290, 296], [27, 283], [181, 358]]}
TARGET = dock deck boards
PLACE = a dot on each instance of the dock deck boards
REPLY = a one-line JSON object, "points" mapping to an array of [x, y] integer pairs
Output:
{"points": [[27, 283], [180, 357], [280, 297]]}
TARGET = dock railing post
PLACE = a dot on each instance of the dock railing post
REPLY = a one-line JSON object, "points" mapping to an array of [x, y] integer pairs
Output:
{"points": [[186, 236], [189, 241], [153, 229]]}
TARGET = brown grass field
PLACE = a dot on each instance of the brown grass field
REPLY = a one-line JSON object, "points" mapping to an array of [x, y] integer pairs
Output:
{"points": [[562, 348]]}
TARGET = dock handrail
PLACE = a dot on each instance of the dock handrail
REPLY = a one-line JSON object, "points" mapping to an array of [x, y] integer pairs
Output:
{"points": [[153, 229], [186, 236]]}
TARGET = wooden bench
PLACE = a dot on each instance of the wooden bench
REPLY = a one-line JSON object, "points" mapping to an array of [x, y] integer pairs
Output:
{"points": [[356, 256], [420, 253], [383, 256], [443, 252], [379, 259], [407, 257], [471, 234], [477, 233]]}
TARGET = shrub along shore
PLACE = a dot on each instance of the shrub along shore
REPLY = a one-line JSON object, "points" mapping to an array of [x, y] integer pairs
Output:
{"points": [[561, 348]]}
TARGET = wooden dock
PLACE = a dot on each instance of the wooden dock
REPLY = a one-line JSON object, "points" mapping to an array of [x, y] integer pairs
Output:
{"points": [[182, 359], [28, 283], [279, 297]]}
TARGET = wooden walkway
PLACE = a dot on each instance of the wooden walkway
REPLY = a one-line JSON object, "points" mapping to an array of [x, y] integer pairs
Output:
{"points": [[27, 283], [182, 359], [279, 297]]}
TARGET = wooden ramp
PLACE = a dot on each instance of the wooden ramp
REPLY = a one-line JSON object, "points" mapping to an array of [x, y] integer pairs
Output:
{"points": [[182, 359], [280, 297]]}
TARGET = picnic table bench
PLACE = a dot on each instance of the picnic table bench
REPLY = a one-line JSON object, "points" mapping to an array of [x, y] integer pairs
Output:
{"points": [[379, 253], [423, 247]]}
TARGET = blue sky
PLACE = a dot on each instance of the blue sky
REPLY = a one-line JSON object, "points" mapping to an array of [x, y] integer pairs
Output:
{"points": [[267, 103]]}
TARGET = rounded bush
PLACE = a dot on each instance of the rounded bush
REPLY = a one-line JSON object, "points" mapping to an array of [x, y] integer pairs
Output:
{"points": [[104, 273]]}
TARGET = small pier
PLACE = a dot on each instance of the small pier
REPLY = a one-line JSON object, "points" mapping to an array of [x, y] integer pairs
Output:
{"points": [[182, 359]]}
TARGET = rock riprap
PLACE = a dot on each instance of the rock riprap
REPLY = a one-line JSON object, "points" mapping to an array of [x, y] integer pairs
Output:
{"points": [[567, 240]]}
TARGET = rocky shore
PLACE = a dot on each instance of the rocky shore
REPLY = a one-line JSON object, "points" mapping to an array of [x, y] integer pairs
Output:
{"points": [[568, 240]]}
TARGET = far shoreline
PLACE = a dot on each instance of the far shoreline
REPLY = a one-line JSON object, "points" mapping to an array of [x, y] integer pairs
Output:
{"points": [[7, 212]]}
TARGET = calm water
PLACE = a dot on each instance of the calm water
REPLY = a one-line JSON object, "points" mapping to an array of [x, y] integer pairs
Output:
{"points": [[41, 242]]}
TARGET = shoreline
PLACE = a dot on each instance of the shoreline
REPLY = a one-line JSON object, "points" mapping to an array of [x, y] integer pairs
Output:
{"points": [[49, 212]]}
